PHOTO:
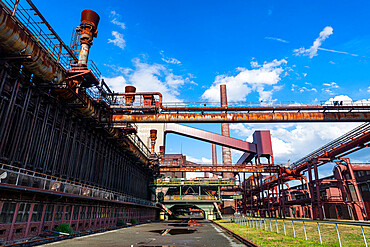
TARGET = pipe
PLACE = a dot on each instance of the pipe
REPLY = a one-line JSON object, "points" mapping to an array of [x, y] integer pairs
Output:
{"points": [[240, 108], [153, 138], [242, 117], [88, 29], [15, 40]]}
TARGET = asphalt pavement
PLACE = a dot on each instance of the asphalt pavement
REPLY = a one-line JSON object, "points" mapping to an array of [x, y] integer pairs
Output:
{"points": [[168, 233]]}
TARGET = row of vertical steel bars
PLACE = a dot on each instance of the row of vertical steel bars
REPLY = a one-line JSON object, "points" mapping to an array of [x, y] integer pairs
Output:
{"points": [[48, 179], [256, 222], [37, 116]]}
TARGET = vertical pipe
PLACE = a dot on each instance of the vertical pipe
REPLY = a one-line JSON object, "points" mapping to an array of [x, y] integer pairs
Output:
{"points": [[214, 159], [317, 183], [8, 115], [13, 154], [311, 194]]}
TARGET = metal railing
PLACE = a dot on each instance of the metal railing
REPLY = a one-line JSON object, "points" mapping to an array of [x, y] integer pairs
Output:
{"points": [[181, 181], [326, 232], [358, 131], [29, 18], [13, 175], [139, 144], [190, 197], [268, 103]]}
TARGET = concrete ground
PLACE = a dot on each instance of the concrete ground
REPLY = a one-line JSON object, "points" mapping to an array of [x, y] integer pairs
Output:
{"points": [[169, 233]]}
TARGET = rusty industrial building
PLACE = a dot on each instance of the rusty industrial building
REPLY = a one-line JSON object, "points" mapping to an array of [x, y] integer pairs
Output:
{"points": [[72, 151]]}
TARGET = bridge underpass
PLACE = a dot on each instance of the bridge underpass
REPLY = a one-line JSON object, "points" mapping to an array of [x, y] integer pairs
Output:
{"points": [[204, 193]]}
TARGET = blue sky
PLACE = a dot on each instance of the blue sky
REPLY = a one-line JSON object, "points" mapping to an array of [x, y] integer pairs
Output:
{"points": [[262, 50]]}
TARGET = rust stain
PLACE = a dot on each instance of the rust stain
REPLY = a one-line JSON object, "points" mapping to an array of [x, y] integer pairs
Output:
{"points": [[243, 117], [15, 39]]}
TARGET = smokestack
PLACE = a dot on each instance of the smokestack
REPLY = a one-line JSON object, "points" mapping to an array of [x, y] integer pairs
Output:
{"points": [[226, 153], [130, 98], [153, 138], [89, 30], [161, 154], [214, 154], [214, 158]]}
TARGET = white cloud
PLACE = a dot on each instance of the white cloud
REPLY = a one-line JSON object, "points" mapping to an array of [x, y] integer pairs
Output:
{"points": [[119, 69], [312, 51], [277, 39], [121, 24], [116, 84], [202, 160], [169, 60], [247, 81], [116, 16], [294, 141], [346, 100], [368, 89], [118, 40], [304, 89], [150, 78], [342, 52], [331, 85]]}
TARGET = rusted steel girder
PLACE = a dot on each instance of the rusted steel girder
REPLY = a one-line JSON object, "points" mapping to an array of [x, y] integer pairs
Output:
{"points": [[211, 137], [220, 169], [239, 117]]}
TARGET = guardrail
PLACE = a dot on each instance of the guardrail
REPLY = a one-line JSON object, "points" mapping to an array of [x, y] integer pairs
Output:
{"points": [[13, 175], [179, 181], [190, 197], [36, 25], [269, 103], [327, 232], [358, 131]]}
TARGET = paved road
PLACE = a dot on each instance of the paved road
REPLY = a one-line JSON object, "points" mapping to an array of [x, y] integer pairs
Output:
{"points": [[170, 233]]}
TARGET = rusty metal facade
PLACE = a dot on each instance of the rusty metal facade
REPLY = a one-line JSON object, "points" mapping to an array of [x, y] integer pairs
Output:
{"points": [[270, 195], [60, 159], [43, 135], [242, 117]]}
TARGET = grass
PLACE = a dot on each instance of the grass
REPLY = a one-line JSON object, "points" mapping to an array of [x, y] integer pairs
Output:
{"points": [[350, 235], [64, 227]]}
